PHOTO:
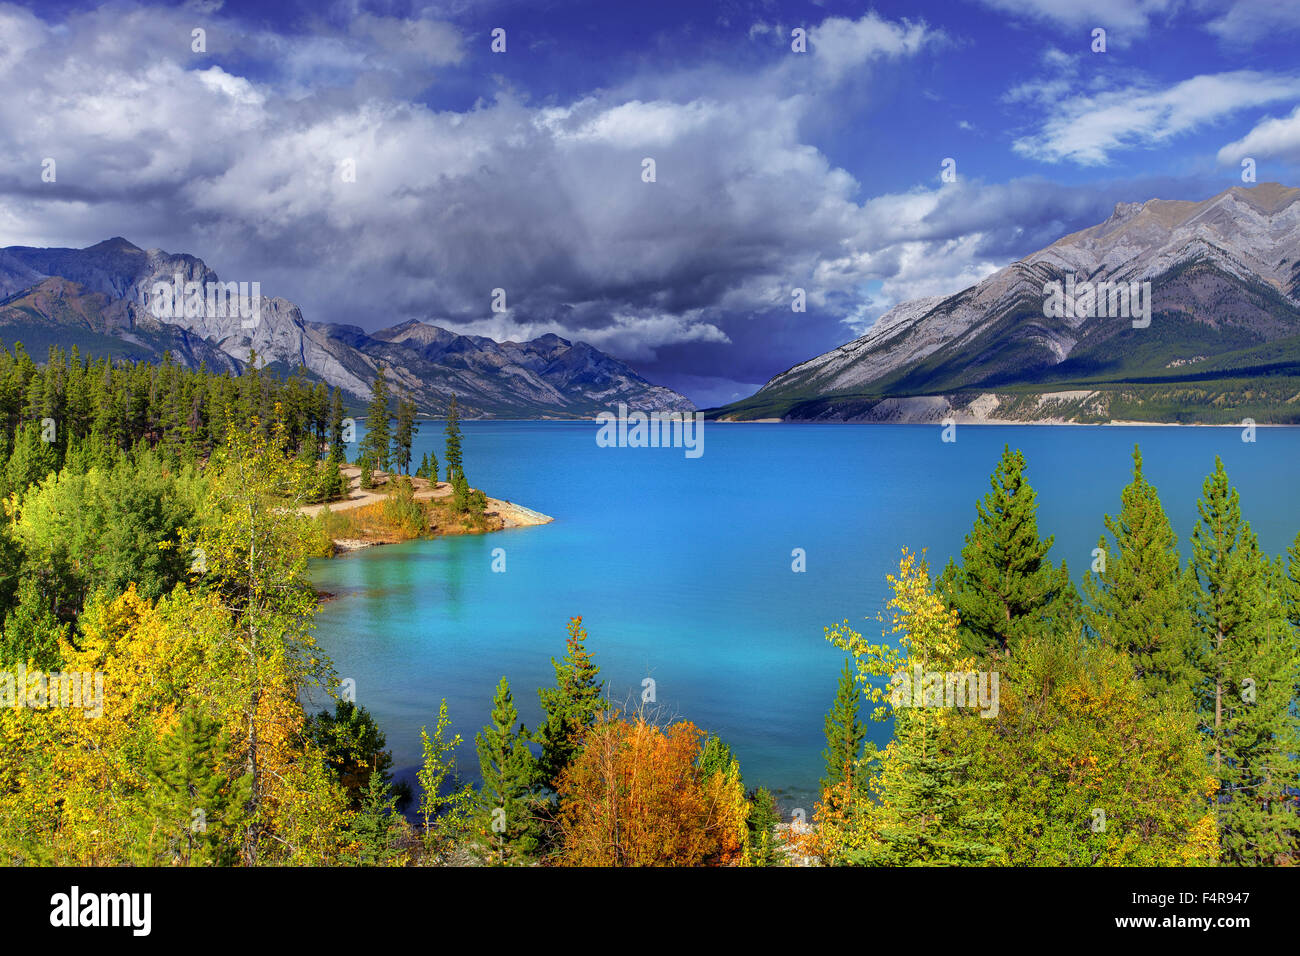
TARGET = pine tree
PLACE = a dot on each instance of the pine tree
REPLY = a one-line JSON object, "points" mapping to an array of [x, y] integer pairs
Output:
{"points": [[716, 756], [1006, 588], [932, 810], [1291, 584], [508, 808], [428, 468], [762, 822], [933, 815], [466, 500], [453, 441], [331, 484], [353, 745], [1139, 601], [192, 809], [366, 462], [404, 435], [844, 732], [31, 630], [337, 450], [1246, 662], [376, 442], [375, 825], [570, 708]]}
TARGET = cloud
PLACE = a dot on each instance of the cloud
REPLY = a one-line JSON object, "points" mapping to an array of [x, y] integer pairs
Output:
{"points": [[1087, 127], [840, 45], [1127, 18], [404, 44], [238, 156], [1274, 138], [1247, 21]]}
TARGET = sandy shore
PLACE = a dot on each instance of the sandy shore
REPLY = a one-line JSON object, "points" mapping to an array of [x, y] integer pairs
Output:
{"points": [[359, 497], [507, 514]]}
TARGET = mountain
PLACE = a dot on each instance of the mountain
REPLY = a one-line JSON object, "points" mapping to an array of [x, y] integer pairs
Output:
{"points": [[56, 311], [1224, 288], [100, 299], [562, 378]]}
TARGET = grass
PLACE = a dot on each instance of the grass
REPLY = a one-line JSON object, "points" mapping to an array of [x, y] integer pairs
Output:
{"points": [[397, 517]]}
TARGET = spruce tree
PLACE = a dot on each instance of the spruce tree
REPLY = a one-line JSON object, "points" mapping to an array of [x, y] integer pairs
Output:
{"points": [[466, 500], [453, 441], [923, 803], [1006, 588], [337, 449], [570, 708], [192, 809], [762, 822], [507, 805], [367, 465], [320, 413], [937, 813], [354, 747], [377, 422], [404, 435], [30, 458], [374, 827], [716, 756], [332, 484], [845, 733], [1246, 668], [1139, 601], [428, 468], [1291, 583], [31, 630]]}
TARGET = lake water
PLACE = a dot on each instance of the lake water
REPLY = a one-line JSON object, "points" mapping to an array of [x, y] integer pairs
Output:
{"points": [[681, 568]]}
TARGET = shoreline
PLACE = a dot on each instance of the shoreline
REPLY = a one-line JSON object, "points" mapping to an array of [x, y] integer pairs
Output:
{"points": [[500, 514], [1117, 423], [1058, 407]]}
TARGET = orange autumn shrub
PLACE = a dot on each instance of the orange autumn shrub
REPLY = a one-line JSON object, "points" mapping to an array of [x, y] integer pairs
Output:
{"points": [[635, 796]]}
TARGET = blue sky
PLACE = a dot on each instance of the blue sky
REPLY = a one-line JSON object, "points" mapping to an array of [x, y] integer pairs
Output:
{"points": [[522, 170]]}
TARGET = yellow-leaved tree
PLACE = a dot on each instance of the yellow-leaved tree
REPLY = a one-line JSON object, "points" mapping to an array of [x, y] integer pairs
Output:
{"points": [[1061, 758], [252, 559]]}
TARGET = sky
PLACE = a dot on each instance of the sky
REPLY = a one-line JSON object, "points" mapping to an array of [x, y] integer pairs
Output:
{"points": [[380, 162]]}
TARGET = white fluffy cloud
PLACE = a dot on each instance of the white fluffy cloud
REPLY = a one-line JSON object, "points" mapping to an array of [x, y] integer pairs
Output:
{"points": [[1122, 19], [1273, 138], [244, 167], [239, 159], [1246, 21], [841, 45], [1086, 127]]}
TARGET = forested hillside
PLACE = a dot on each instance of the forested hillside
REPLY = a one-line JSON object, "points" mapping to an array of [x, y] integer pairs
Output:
{"points": [[156, 642]]}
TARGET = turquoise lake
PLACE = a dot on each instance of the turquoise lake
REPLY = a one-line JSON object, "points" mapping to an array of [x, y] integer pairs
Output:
{"points": [[682, 569]]}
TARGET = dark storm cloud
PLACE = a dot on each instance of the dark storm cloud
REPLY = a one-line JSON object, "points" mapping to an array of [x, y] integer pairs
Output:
{"points": [[241, 155]]}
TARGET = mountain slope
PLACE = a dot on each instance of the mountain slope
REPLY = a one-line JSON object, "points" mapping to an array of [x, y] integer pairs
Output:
{"points": [[59, 312], [1224, 277], [99, 299]]}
